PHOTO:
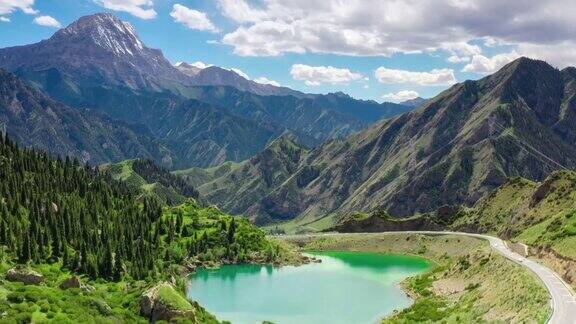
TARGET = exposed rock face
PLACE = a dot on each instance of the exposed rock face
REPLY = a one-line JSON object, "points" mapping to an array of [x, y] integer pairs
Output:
{"points": [[97, 48], [27, 276], [155, 306], [74, 282]]}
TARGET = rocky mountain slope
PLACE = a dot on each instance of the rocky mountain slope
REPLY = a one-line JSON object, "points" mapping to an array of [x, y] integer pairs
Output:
{"points": [[33, 119], [94, 49], [455, 149]]}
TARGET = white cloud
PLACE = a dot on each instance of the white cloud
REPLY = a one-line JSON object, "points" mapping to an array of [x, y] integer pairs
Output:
{"points": [[561, 54], [240, 73], [9, 6], [461, 51], [485, 65], [200, 65], [317, 75], [4, 19], [433, 78], [265, 80], [386, 27], [457, 59], [193, 19], [140, 8], [47, 21], [400, 96], [240, 11]]}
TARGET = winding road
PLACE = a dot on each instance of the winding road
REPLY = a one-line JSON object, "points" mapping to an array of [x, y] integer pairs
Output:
{"points": [[562, 297]]}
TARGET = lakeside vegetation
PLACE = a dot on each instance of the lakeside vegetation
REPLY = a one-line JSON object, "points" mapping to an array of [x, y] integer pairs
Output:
{"points": [[60, 220], [470, 283]]}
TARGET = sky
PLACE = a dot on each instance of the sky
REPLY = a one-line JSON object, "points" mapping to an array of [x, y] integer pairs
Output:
{"points": [[384, 50]]}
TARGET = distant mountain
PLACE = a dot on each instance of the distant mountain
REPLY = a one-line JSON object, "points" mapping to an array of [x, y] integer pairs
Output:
{"points": [[521, 121], [94, 49], [33, 119], [217, 76], [414, 103], [320, 118], [202, 135], [180, 135], [98, 62]]}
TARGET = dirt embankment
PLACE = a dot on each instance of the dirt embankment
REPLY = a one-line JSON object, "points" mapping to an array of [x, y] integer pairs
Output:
{"points": [[562, 265]]}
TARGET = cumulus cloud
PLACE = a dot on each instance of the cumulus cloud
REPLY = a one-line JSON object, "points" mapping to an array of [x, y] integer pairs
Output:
{"points": [[460, 51], [140, 8], [47, 21], [317, 75], [400, 96], [485, 65], [385, 27], [193, 19], [435, 77], [561, 54], [9, 6], [457, 59], [265, 80], [240, 11]]}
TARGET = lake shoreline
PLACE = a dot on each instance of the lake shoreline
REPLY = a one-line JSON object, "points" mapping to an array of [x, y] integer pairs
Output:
{"points": [[374, 276], [469, 278]]}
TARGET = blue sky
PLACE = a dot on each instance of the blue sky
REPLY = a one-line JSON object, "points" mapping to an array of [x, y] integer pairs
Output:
{"points": [[294, 42]]}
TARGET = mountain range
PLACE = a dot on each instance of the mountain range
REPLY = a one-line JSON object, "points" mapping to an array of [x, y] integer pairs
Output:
{"points": [[456, 148], [93, 90], [203, 117], [33, 119]]}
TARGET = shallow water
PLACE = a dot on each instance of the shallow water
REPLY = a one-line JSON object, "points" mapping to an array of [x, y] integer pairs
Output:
{"points": [[347, 287]]}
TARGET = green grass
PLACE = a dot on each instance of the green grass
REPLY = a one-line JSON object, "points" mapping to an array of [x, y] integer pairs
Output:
{"points": [[173, 299], [123, 171], [108, 303]]}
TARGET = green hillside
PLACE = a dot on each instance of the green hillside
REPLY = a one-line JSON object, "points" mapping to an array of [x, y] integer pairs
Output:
{"points": [[152, 181], [542, 215], [239, 187]]}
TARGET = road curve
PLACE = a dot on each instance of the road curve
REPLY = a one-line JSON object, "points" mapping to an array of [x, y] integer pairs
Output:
{"points": [[562, 297]]}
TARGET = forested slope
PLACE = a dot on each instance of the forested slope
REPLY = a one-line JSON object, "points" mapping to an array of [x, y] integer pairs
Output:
{"points": [[59, 218]]}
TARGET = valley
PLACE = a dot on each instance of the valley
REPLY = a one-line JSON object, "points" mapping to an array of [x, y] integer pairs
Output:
{"points": [[135, 188]]}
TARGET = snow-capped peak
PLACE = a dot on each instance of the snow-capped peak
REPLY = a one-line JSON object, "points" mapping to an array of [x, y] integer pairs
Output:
{"points": [[106, 31]]}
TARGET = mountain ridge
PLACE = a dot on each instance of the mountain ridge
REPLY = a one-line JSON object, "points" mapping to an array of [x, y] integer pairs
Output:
{"points": [[454, 149]]}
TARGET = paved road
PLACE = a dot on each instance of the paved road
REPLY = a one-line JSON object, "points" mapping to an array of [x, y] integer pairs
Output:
{"points": [[563, 299]]}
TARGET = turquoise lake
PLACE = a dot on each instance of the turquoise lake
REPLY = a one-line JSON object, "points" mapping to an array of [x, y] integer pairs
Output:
{"points": [[347, 287]]}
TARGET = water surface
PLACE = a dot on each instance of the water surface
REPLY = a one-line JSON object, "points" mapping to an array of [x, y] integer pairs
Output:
{"points": [[347, 287]]}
